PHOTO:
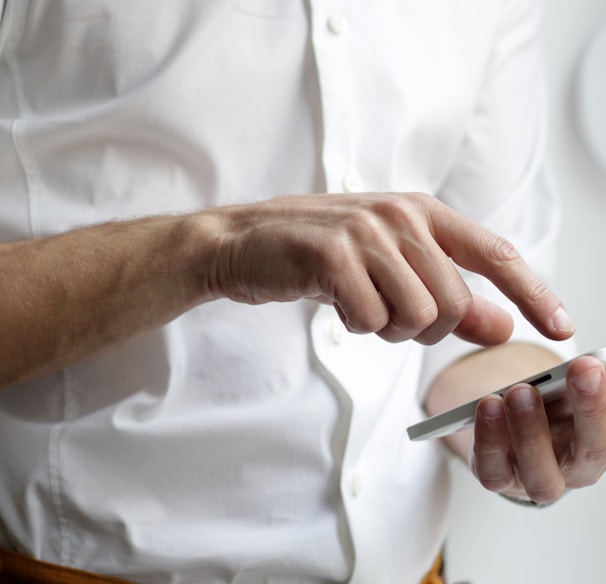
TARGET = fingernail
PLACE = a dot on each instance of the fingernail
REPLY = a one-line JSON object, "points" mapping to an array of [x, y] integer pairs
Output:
{"points": [[562, 321], [588, 382], [521, 398], [491, 407]]}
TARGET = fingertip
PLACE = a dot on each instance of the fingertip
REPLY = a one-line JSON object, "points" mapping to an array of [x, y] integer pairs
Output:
{"points": [[522, 397], [562, 323], [491, 421], [491, 406], [586, 375], [580, 364]]}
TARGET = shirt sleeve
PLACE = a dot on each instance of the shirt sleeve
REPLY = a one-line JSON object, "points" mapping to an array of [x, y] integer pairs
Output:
{"points": [[500, 177]]}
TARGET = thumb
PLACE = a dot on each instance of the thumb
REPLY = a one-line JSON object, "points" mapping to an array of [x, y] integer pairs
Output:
{"points": [[485, 324]]}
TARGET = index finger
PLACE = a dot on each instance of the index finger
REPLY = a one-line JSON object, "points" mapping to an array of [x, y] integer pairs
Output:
{"points": [[479, 250]]}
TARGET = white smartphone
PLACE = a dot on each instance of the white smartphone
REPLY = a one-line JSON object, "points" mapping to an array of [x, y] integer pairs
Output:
{"points": [[551, 384]]}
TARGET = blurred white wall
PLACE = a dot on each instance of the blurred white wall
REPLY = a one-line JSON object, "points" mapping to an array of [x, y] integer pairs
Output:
{"points": [[569, 26], [493, 541]]}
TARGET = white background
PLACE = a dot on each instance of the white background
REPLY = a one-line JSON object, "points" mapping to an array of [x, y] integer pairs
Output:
{"points": [[493, 541]]}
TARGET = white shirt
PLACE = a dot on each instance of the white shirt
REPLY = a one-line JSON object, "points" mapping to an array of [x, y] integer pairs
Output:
{"points": [[252, 444]]}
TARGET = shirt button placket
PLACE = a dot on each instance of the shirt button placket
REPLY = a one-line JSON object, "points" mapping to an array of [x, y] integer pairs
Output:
{"points": [[338, 25], [334, 58]]}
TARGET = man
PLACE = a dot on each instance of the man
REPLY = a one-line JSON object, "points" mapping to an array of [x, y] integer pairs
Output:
{"points": [[191, 389]]}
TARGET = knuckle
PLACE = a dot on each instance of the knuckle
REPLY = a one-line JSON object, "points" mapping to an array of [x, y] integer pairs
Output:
{"points": [[410, 326], [456, 307], [485, 449], [423, 200], [595, 457], [501, 250], [592, 415], [367, 323], [392, 334], [339, 256], [579, 473], [537, 293], [423, 318], [588, 467], [366, 219], [495, 484], [545, 494], [431, 336], [586, 480], [491, 467], [444, 320], [408, 213]]}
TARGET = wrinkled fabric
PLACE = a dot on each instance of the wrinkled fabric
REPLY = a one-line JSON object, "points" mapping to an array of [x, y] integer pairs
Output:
{"points": [[237, 443]]}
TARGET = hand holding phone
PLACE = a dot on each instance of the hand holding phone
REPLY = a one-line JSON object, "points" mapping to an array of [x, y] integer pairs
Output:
{"points": [[551, 384]]}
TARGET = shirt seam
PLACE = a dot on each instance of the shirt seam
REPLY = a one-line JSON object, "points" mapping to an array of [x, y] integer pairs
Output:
{"points": [[18, 138], [54, 470]]}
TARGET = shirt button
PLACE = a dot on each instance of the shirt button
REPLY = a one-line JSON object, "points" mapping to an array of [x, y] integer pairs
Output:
{"points": [[337, 24], [337, 332], [352, 182], [356, 484]]}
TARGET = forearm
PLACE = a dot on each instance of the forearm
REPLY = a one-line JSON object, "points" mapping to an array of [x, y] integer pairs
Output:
{"points": [[480, 372], [66, 297]]}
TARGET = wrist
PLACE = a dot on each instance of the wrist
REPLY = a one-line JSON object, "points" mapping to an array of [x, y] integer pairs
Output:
{"points": [[202, 241]]}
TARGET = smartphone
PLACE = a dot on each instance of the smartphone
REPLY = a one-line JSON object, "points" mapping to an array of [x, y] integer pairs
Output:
{"points": [[550, 383]]}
